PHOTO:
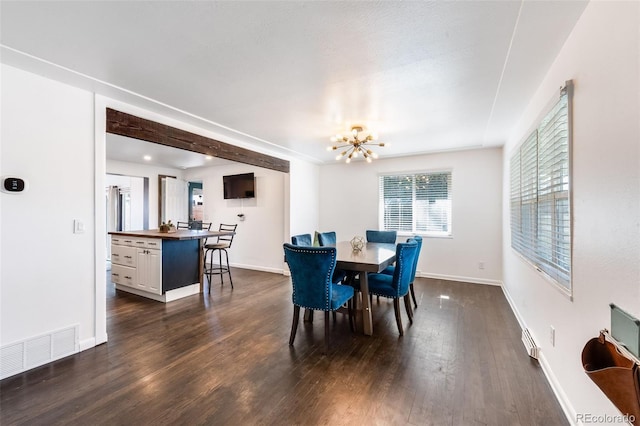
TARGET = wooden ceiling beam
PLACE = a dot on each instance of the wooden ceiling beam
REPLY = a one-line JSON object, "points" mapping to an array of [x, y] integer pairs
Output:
{"points": [[123, 124]]}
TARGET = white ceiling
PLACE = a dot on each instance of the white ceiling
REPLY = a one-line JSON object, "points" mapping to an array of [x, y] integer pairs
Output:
{"points": [[426, 76], [121, 148]]}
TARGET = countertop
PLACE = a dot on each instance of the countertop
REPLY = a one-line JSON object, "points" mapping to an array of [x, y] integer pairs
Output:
{"points": [[180, 234]]}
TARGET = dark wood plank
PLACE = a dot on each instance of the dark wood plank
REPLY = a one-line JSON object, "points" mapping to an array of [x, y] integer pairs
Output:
{"points": [[121, 123], [224, 358]]}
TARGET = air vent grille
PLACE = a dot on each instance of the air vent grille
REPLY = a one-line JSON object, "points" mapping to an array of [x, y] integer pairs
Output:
{"points": [[532, 349], [30, 353]]}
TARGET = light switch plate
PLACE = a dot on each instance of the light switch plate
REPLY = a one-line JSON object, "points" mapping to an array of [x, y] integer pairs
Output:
{"points": [[78, 227]]}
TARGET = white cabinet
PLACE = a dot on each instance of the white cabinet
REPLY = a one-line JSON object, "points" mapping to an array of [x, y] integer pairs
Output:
{"points": [[123, 255], [137, 263], [150, 270], [123, 275]]}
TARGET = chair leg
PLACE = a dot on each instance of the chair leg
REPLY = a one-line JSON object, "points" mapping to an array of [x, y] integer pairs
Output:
{"points": [[407, 307], [294, 325], [350, 309], [226, 254], [396, 308], [220, 264], [413, 296], [326, 332], [335, 317], [208, 270], [308, 315]]}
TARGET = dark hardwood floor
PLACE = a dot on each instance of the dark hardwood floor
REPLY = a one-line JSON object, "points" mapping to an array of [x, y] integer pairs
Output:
{"points": [[224, 359]]}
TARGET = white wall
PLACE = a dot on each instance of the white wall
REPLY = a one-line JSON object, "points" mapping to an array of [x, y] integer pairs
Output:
{"points": [[258, 240], [305, 207], [54, 135], [46, 271], [148, 171], [602, 57], [349, 206]]}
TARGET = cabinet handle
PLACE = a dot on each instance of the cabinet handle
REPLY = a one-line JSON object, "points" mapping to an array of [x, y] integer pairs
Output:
{"points": [[127, 277], [127, 241], [127, 257], [115, 275], [115, 255], [139, 242]]}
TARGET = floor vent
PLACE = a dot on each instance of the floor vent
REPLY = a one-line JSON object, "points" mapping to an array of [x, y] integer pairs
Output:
{"points": [[36, 351], [532, 349]]}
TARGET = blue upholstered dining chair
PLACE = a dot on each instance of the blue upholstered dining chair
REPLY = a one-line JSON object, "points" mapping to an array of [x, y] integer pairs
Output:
{"points": [[301, 240], [374, 236], [311, 270], [390, 270], [397, 285], [327, 238]]}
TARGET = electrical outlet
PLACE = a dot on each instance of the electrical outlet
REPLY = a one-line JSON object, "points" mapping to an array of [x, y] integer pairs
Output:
{"points": [[552, 336], [480, 265]]}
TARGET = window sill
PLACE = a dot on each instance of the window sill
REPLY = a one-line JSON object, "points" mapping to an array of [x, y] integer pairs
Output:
{"points": [[410, 234]]}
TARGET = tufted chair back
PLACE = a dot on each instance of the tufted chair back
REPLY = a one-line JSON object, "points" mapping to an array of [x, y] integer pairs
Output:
{"points": [[404, 271], [418, 240], [301, 240], [311, 271], [374, 236], [327, 238]]}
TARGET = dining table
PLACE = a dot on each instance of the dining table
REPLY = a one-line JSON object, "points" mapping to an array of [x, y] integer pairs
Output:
{"points": [[373, 257]]}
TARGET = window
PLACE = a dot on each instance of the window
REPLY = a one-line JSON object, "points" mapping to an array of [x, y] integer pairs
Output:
{"points": [[540, 197], [417, 203]]}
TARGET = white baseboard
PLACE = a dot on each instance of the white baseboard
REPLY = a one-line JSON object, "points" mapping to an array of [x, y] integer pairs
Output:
{"points": [[169, 296], [459, 278], [101, 338], [257, 268], [561, 396], [87, 344]]}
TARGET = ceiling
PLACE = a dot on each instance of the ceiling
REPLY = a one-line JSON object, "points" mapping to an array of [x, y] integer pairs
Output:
{"points": [[122, 148], [285, 76]]}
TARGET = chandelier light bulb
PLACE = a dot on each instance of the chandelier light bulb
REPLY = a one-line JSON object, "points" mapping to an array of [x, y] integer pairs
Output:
{"points": [[356, 143]]}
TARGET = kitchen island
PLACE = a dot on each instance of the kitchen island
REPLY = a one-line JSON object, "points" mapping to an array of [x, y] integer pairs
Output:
{"points": [[158, 265]]}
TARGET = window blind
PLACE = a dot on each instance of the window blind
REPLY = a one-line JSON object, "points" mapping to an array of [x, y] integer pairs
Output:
{"points": [[540, 197], [416, 203]]}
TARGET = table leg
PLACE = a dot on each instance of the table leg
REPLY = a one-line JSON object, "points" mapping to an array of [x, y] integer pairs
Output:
{"points": [[366, 304]]}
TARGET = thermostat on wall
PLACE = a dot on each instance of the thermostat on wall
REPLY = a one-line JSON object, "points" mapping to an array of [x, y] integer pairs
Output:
{"points": [[14, 185]]}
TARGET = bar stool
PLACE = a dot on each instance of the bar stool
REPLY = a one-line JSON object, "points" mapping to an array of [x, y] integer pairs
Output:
{"points": [[221, 245]]}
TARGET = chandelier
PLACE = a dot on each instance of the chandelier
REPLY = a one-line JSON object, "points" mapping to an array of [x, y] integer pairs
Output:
{"points": [[356, 143]]}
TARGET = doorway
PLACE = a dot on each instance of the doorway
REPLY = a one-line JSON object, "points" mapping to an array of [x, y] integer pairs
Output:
{"points": [[196, 202]]}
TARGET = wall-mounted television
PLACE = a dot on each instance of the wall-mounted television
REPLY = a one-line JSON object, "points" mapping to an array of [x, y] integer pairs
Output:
{"points": [[239, 186]]}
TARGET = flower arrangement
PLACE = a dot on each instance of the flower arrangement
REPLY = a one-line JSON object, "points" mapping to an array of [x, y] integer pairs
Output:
{"points": [[167, 227]]}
